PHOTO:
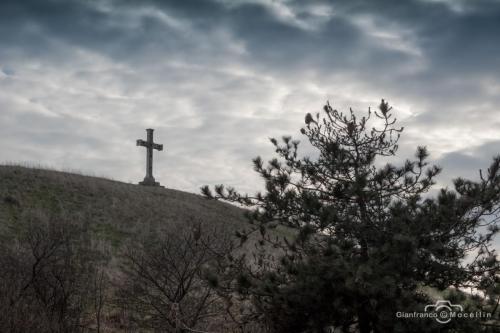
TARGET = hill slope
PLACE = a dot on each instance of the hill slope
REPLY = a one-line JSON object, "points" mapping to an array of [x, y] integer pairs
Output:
{"points": [[78, 251], [113, 209]]}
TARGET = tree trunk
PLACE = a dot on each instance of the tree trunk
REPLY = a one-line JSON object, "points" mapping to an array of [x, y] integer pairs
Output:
{"points": [[363, 321]]}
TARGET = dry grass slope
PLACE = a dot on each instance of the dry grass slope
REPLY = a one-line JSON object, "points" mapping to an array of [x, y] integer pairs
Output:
{"points": [[38, 205], [115, 210]]}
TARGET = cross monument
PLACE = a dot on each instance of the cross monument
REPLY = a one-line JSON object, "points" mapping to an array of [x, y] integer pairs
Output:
{"points": [[149, 180]]}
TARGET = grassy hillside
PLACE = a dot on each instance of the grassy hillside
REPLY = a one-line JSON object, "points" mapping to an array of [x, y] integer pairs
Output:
{"points": [[114, 210], [70, 242]]}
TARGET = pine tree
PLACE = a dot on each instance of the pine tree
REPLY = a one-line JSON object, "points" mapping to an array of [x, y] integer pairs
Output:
{"points": [[347, 243]]}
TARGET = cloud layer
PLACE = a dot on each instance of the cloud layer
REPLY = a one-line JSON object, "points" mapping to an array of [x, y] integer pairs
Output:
{"points": [[81, 80]]}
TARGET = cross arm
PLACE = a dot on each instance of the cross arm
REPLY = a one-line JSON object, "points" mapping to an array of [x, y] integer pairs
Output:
{"points": [[141, 143], [157, 146]]}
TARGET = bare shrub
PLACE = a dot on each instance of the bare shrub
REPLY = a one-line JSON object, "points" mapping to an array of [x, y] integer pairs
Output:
{"points": [[164, 285], [46, 277]]}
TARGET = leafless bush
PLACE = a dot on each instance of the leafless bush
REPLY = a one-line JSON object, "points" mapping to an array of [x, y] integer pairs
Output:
{"points": [[164, 286], [46, 276]]}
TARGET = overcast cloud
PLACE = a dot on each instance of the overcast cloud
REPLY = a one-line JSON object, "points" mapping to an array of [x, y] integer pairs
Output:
{"points": [[81, 80]]}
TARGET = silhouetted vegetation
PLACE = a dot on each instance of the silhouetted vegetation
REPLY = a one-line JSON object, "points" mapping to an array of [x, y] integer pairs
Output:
{"points": [[365, 240]]}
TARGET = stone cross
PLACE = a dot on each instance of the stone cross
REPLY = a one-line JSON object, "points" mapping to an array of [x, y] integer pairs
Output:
{"points": [[149, 180]]}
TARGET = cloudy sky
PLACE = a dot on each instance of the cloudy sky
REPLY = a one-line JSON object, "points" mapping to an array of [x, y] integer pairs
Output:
{"points": [[81, 80]]}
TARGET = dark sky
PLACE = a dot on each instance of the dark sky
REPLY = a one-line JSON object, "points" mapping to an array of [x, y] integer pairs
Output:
{"points": [[81, 80]]}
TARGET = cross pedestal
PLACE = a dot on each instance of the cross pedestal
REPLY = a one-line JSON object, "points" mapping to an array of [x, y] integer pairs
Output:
{"points": [[149, 180]]}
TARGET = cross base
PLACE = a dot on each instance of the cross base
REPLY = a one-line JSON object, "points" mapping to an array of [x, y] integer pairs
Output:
{"points": [[149, 181]]}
